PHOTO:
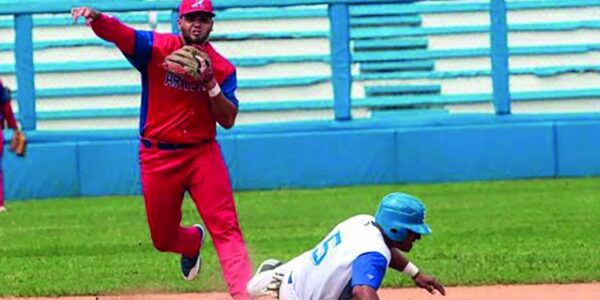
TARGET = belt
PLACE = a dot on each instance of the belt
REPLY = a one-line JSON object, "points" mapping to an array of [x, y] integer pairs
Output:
{"points": [[165, 146]]}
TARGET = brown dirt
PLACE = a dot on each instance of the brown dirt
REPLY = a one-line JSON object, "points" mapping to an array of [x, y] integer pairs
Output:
{"points": [[589, 291]]}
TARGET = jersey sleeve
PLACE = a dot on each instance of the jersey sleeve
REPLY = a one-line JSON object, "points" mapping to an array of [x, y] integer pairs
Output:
{"points": [[142, 50], [368, 269], [11, 122], [136, 45], [112, 30], [229, 87], [6, 109]]}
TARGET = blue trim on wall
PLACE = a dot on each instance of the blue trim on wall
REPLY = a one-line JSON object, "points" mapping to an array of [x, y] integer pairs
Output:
{"points": [[499, 57], [407, 100], [110, 65], [357, 33], [135, 89], [26, 76], [481, 152], [391, 68], [98, 171], [410, 120], [327, 159], [165, 17], [398, 43], [473, 52], [48, 170], [29, 6], [390, 32], [412, 89], [263, 61], [576, 146], [239, 36], [409, 20], [341, 72], [326, 104], [42, 45], [539, 72], [174, 22], [373, 70], [454, 7]]}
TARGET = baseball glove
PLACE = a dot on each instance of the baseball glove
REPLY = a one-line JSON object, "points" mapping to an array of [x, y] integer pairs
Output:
{"points": [[191, 64], [18, 144]]}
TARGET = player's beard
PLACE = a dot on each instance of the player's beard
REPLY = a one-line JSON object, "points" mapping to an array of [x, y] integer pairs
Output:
{"points": [[199, 39]]}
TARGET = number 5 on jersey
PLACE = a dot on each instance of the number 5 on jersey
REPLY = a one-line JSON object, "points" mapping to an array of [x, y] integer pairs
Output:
{"points": [[318, 255]]}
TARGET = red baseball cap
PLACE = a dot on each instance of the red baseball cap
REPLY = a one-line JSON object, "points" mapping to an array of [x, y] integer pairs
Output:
{"points": [[192, 6]]}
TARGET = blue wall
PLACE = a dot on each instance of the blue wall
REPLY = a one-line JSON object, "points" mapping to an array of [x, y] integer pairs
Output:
{"points": [[329, 154]]}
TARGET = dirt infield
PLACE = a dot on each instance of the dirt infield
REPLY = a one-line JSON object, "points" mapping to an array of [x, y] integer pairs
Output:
{"points": [[502, 292]]}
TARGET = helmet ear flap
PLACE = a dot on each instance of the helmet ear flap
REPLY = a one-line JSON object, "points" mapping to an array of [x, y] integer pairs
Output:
{"points": [[398, 235]]}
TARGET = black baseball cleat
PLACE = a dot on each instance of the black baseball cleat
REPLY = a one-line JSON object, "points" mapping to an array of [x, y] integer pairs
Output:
{"points": [[190, 266], [267, 265]]}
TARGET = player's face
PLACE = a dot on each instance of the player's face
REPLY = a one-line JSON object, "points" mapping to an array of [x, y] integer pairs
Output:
{"points": [[408, 242], [195, 27]]}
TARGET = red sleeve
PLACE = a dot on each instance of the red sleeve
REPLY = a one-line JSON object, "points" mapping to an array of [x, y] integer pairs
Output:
{"points": [[8, 115], [111, 29]]}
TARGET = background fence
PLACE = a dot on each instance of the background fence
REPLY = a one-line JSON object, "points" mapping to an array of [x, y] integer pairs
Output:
{"points": [[332, 92]]}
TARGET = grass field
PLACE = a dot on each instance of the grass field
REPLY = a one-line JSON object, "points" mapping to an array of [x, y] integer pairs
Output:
{"points": [[529, 231]]}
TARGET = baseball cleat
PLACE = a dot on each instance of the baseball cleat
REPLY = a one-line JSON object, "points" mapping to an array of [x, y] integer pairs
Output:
{"points": [[267, 265], [190, 266], [2, 209]]}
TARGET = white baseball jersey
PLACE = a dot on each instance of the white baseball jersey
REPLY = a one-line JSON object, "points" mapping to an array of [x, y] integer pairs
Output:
{"points": [[323, 272]]}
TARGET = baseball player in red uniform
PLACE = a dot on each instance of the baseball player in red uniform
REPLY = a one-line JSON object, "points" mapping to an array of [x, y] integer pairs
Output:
{"points": [[6, 116], [178, 150]]}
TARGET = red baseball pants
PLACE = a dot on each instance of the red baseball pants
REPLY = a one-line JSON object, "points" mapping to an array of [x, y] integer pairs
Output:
{"points": [[1, 171], [200, 170]]}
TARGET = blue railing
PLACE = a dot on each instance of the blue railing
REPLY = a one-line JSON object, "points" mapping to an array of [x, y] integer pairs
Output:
{"points": [[339, 40]]}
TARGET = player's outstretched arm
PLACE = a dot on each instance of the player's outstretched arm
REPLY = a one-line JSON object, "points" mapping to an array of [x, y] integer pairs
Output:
{"points": [[89, 14], [107, 28], [429, 283], [364, 292], [422, 280]]}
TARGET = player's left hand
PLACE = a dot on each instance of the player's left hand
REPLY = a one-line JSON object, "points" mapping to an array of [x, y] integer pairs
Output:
{"points": [[429, 283]]}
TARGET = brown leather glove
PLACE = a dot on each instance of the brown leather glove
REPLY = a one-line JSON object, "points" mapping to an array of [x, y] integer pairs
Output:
{"points": [[191, 64], [18, 143]]}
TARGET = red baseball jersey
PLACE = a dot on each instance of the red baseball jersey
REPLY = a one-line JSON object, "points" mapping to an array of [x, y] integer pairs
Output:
{"points": [[172, 110], [6, 113]]}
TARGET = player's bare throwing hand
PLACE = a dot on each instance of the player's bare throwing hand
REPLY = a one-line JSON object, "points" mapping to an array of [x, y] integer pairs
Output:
{"points": [[178, 150]]}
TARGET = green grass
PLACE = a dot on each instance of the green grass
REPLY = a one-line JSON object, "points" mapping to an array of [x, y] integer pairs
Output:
{"points": [[533, 231]]}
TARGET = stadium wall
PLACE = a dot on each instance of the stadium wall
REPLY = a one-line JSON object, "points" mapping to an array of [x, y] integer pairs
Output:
{"points": [[323, 154]]}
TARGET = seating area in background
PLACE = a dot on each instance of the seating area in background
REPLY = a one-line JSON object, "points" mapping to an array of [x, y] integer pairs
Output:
{"points": [[425, 58]]}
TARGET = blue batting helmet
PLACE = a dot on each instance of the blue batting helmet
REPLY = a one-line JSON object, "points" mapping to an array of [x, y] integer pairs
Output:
{"points": [[398, 213]]}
